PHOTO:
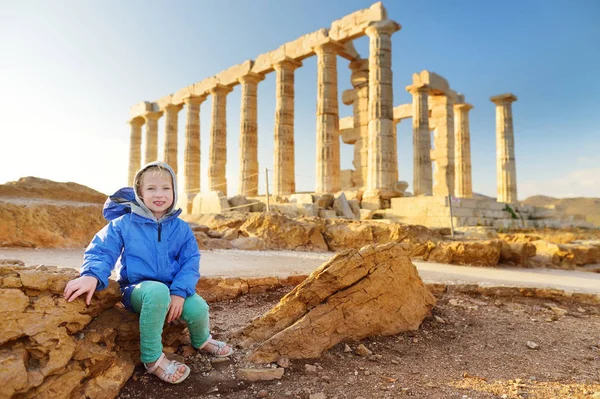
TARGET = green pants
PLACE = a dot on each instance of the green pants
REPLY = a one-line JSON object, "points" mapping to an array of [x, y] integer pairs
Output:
{"points": [[151, 300]]}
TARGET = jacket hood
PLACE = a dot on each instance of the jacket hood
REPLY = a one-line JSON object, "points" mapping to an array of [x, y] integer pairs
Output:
{"points": [[139, 207]]}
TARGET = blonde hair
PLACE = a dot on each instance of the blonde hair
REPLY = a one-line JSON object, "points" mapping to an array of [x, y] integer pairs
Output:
{"points": [[156, 170]]}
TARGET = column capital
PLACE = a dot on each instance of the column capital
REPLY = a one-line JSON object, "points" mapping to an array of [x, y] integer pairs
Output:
{"points": [[502, 99], [463, 106], [383, 27], [220, 89], [328, 44], [137, 121], [152, 116], [169, 108], [251, 78], [194, 100], [287, 63], [417, 88]]}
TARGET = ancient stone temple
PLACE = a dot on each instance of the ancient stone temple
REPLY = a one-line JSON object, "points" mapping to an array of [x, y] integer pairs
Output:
{"points": [[442, 163]]}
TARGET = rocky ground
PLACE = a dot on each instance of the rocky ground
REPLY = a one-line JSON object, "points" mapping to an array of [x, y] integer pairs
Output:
{"points": [[470, 347]]}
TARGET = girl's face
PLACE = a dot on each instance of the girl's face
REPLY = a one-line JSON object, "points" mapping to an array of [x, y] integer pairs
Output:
{"points": [[156, 191]]}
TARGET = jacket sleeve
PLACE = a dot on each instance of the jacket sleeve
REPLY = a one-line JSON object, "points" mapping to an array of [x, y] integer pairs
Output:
{"points": [[184, 282], [101, 255]]}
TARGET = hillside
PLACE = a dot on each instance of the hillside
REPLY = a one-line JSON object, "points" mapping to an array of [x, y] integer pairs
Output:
{"points": [[35, 187], [588, 207]]}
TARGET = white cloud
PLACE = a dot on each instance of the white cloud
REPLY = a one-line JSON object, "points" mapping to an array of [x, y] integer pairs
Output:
{"points": [[578, 183]]}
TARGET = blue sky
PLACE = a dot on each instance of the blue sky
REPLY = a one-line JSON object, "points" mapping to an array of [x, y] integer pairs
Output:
{"points": [[70, 71]]}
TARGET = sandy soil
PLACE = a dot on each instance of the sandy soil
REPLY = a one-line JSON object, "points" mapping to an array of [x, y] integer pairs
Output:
{"points": [[471, 347]]}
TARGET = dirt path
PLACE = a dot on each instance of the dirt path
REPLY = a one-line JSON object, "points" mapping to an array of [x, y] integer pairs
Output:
{"points": [[235, 263], [470, 348]]}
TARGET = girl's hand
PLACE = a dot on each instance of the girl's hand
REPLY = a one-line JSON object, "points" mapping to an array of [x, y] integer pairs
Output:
{"points": [[175, 308], [81, 285]]}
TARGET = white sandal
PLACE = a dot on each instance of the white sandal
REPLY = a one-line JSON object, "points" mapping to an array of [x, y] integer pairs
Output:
{"points": [[217, 346], [169, 369]]}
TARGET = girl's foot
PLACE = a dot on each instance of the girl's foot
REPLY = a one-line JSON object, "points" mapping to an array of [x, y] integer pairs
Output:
{"points": [[216, 348], [167, 370]]}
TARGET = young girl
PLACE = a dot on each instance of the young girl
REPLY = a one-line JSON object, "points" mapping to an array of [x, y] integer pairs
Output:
{"points": [[159, 264]]}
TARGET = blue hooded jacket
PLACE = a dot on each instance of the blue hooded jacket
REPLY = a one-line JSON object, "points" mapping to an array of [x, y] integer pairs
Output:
{"points": [[142, 247]]}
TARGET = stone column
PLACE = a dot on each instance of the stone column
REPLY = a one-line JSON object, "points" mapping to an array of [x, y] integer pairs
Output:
{"points": [[360, 82], [462, 151], [151, 150], [328, 130], [442, 114], [191, 154], [284, 173], [171, 122], [506, 169], [135, 148], [381, 175], [248, 184], [217, 151], [422, 172]]}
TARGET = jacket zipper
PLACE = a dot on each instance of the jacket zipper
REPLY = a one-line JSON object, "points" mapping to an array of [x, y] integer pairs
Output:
{"points": [[159, 231]]}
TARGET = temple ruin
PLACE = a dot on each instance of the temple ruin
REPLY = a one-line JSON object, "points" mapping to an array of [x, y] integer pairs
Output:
{"points": [[442, 165]]}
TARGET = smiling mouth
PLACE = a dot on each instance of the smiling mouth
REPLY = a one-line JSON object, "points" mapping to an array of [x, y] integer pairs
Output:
{"points": [[159, 203]]}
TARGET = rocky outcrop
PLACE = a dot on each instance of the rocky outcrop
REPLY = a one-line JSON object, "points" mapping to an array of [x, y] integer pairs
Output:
{"points": [[565, 256], [517, 253], [53, 349], [477, 253], [46, 351], [281, 232], [356, 294], [36, 224]]}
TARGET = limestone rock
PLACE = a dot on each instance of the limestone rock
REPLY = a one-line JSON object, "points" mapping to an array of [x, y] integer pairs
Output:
{"points": [[518, 253], [281, 232], [40, 357], [260, 374], [478, 253], [356, 294]]}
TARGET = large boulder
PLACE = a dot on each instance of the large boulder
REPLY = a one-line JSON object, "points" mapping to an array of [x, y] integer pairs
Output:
{"points": [[358, 293]]}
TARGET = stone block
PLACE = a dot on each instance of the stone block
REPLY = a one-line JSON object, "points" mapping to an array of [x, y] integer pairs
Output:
{"points": [[240, 203], [327, 214], [229, 76], [210, 202], [355, 206], [403, 111], [353, 25], [347, 122], [285, 209], [308, 209], [324, 201], [140, 109], [342, 208], [303, 46], [366, 214]]}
